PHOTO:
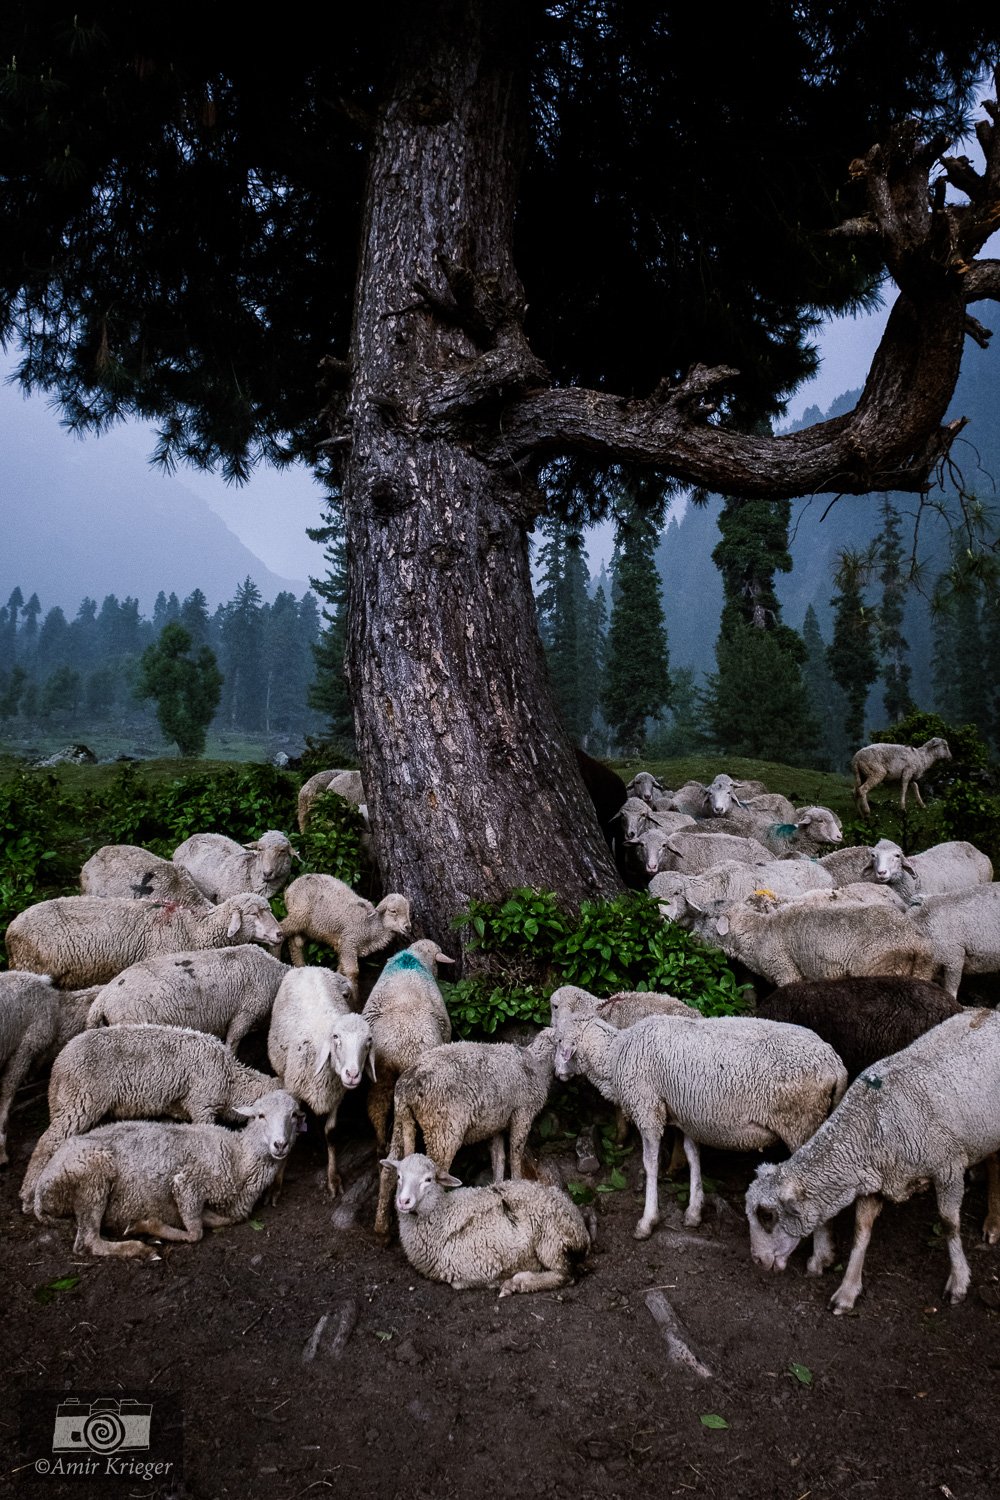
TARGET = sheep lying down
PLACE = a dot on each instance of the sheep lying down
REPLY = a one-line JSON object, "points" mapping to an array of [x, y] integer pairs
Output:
{"points": [[522, 1235], [164, 1180], [919, 1117]]}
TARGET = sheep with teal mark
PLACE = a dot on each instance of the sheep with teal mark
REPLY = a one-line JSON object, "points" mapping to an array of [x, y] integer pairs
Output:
{"points": [[407, 1016]]}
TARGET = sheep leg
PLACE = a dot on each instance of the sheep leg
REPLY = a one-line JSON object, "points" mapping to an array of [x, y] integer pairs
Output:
{"points": [[520, 1125], [238, 1028], [677, 1157], [386, 1182], [498, 1159], [276, 1185], [950, 1191], [991, 1224], [89, 1203], [696, 1192], [866, 1211], [333, 1182], [379, 1104], [824, 1252], [533, 1281], [651, 1130], [297, 949], [861, 792], [916, 792], [13, 1077], [621, 1128], [347, 963], [190, 1202]]}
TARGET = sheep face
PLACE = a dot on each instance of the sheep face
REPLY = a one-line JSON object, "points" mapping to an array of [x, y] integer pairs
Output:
{"points": [[569, 1000], [256, 923], [887, 860], [822, 826], [275, 855], [419, 1183], [565, 1059], [346, 1050], [643, 785], [282, 1120], [395, 913], [773, 1236], [720, 799]]}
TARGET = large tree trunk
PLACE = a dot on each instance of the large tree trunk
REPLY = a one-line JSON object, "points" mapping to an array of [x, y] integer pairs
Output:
{"points": [[472, 785]]}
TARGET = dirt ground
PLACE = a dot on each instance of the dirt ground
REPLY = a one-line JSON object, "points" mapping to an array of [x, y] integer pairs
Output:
{"points": [[438, 1394]]}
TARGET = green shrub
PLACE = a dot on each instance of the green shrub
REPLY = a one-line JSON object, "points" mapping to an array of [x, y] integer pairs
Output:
{"points": [[36, 863], [529, 945]]}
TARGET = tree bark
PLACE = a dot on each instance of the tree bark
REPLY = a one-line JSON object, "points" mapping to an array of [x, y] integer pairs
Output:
{"points": [[472, 785]]}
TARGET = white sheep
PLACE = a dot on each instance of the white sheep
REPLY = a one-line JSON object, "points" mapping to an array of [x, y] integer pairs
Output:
{"points": [[224, 991], [35, 1021], [685, 898], [733, 1083], [873, 764], [521, 1234], [346, 784], [464, 1092], [963, 928], [168, 1181], [809, 832], [139, 1072], [694, 852], [820, 942], [85, 940], [318, 1047], [407, 1015], [325, 909], [952, 866], [221, 868], [134, 873], [921, 1116]]}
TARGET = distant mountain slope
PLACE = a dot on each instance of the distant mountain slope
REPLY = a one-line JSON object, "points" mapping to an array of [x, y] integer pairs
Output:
{"points": [[85, 518]]}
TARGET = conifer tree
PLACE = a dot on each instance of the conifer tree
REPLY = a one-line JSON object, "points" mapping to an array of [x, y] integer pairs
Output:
{"points": [[186, 687], [195, 618], [637, 675], [852, 653], [826, 698], [893, 647], [241, 658], [330, 694], [569, 627]]}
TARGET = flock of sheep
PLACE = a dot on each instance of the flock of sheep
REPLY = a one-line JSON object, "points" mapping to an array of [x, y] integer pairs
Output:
{"points": [[142, 988]]}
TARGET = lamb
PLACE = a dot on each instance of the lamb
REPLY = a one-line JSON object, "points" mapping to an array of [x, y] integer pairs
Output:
{"points": [[464, 1092], [521, 1234], [734, 1083], [222, 868], [963, 928], [922, 1115], [820, 942], [139, 1072], [323, 908], [169, 1181], [227, 992], [346, 784], [862, 1019], [873, 764], [85, 940], [35, 1021], [686, 898], [133, 873], [318, 1047], [407, 1015]]}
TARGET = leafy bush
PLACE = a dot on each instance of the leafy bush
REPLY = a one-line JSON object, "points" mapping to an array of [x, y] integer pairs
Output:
{"points": [[530, 945], [332, 842], [34, 862]]}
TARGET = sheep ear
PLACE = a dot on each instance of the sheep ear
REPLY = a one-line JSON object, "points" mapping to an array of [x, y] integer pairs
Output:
{"points": [[442, 958], [446, 1179], [235, 923], [722, 925], [253, 847], [247, 1110], [387, 1161], [371, 1064], [911, 869], [804, 822], [790, 1191], [296, 854], [323, 1056]]}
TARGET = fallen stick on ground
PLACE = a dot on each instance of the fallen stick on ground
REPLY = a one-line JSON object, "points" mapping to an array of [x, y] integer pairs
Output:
{"points": [[679, 1350]]}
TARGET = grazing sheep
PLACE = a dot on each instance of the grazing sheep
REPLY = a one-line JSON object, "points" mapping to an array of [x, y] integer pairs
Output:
{"points": [[35, 1021], [906, 764], [222, 868], [224, 991], [169, 1181], [464, 1092], [685, 898], [135, 874], [862, 1019], [921, 1116], [521, 1234], [323, 908], [734, 1083], [139, 1072], [84, 940], [963, 928], [407, 1015], [318, 1047], [820, 942], [346, 784]]}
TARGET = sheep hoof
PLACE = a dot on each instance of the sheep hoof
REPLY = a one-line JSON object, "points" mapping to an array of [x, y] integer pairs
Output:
{"points": [[991, 1231], [692, 1218], [644, 1229], [334, 1185]]}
